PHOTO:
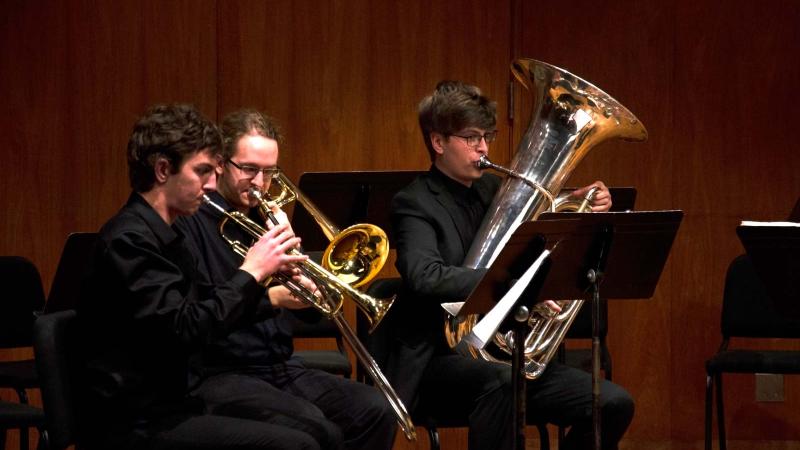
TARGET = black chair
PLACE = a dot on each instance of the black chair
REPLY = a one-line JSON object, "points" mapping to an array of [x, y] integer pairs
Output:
{"points": [[378, 345], [333, 361], [74, 261], [54, 345], [310, 324], [747, 312], [23, 300], [21, 416]]}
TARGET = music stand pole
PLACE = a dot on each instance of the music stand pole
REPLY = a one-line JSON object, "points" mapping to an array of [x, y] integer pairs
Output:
{"points": [[595, 276], [518, 378]]}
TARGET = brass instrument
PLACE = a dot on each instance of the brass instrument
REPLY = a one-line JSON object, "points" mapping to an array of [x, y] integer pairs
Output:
{"points": [[570, 117], [329, 303], [355, 254]]}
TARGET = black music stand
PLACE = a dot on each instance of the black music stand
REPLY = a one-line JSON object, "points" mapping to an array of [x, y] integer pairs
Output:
{"points": [[583, 260], [347, 198], [774, 250], [561, 276], [628, 269]]}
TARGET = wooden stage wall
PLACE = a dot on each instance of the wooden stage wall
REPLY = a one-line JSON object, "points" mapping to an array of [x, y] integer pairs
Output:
{"points": [[713, 83]]}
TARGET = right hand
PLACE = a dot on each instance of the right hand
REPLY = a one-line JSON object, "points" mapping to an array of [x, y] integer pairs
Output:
{"points": [[269, 254]]}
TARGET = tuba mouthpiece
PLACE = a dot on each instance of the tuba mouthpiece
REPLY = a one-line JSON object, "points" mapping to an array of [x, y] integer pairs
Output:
{"points": [[483, 163]]}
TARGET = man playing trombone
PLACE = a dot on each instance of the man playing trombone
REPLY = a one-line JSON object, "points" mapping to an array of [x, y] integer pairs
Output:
{"points": [[434, 220], [144, 308], [251, 373]]}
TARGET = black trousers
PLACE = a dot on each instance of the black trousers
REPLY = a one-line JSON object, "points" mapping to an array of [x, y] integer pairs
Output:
{"points": [[336, 412], [480, 393], [197, 432]]}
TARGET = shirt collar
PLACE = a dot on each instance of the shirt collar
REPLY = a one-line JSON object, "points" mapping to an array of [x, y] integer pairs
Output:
{"points": [[457, 190], [163, 231]]}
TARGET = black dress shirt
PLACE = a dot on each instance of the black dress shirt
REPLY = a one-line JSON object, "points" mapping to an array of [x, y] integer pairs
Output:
{"points": [[261, 345], [145, 308]]}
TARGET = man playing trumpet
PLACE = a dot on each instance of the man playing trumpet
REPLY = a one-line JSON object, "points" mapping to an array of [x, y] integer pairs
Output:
{"points": [[251, 373], [144, 308]]}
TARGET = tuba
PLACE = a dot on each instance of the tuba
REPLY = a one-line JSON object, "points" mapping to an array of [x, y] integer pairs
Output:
{"points": [[570, 117], [332, 290]]}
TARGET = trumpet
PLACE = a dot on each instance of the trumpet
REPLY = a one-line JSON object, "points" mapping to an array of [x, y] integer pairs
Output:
{"points": [[335, 289], [329, 303]]}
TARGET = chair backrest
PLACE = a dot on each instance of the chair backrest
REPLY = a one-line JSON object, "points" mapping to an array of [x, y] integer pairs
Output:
{"points": [[75, 258], [747, 309], [333, 361], [794, 216], [22, 299], [53, 344]]}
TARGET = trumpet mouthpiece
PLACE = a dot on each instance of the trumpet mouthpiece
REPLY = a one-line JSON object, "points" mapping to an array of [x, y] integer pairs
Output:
{"points": [[255, 193]]}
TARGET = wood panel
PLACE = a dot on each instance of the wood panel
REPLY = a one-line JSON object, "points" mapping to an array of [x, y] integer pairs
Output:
{"points": [[625, 49], [706, 83], [344, 78], [74, 76], [714, 86], [738, 161]]}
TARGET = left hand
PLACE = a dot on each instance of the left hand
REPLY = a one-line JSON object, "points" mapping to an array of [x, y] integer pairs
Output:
{"points": [[281, 297], [601, 202]]}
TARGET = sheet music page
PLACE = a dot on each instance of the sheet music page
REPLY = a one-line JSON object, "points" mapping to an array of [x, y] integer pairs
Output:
{"points": [[752, 223]]}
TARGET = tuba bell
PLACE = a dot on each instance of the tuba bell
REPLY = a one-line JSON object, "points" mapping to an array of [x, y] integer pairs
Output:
{"points": [[570, 117]]}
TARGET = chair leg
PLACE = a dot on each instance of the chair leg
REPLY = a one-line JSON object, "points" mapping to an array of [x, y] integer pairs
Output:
{"points": [[22, 394], [44, 440], [433, 435], [709, 408], [723, 445], [544, 436], [23, 438]]}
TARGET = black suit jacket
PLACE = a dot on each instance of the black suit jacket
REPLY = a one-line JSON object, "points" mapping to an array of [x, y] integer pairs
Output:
{"points": [[429, 256]]}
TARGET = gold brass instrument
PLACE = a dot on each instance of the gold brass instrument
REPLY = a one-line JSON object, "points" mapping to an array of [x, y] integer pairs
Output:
{"points": [[570, 117], [355, 254], [329, 303], [336, 289]]}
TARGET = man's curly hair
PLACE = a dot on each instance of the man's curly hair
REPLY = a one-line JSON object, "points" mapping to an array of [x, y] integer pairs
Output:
{"points": [[172, 132]]}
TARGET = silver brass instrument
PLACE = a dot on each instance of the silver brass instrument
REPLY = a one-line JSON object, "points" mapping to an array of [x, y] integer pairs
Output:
{"points": [[570, 117], [329, 303]]}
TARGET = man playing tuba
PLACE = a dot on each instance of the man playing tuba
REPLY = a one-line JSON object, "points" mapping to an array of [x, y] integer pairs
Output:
{"points": [[251, 373], [434, 221]]}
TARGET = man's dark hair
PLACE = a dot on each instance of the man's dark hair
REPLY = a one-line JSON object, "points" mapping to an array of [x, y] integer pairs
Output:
{"points": [[172, 132], [452, 107], [245, 121]]}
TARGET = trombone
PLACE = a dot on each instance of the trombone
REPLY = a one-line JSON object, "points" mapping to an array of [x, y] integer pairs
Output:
{"points": [[332, 290]]}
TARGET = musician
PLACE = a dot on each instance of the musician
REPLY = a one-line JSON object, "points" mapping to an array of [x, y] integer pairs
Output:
{"points": [[144, 307], [252, 373], [434, 221]]}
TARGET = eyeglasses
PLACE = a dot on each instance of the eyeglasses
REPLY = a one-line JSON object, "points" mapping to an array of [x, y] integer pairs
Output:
{"points": [[474, 140], [252, 171]]}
